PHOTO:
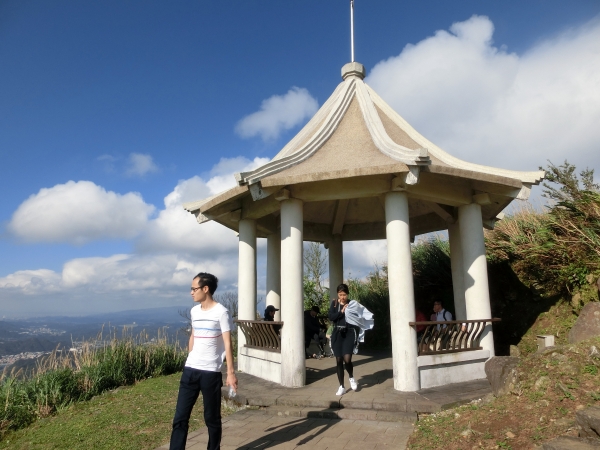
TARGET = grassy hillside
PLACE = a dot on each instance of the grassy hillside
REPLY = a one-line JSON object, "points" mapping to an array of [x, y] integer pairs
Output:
{"points": [[64, 379], [552, 386], [128, 418]]}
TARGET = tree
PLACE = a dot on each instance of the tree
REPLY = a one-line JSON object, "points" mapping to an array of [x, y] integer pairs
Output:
{"points": [[315, 266]]}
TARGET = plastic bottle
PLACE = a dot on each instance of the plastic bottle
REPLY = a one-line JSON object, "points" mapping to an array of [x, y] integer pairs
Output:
{"points": [[232, 392]]}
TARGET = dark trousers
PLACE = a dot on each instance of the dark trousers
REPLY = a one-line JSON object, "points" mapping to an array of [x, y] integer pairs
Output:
{"points": [[193, 382]]}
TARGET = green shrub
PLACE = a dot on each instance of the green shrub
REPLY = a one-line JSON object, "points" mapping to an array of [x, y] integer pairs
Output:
{"points": [[555, 250]]}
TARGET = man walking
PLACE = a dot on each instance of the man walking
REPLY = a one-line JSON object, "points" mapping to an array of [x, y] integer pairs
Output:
{"points": [[209, 342]]}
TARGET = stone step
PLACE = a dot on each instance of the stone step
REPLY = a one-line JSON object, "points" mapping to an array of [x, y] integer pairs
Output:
{"points": [[413, 403], [342, 413]]}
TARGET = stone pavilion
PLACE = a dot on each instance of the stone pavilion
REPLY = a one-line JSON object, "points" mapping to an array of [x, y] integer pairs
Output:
{"points": [[359, 171]]}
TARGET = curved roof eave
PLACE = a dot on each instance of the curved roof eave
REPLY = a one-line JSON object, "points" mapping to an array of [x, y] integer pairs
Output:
{"points": [[533, 177]]}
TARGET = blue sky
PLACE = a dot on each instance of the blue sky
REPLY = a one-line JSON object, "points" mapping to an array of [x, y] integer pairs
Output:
{"points": [[112, 113]]}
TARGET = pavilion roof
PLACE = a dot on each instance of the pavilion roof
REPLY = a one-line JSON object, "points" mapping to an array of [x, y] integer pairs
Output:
{"points": [[356, 146]]}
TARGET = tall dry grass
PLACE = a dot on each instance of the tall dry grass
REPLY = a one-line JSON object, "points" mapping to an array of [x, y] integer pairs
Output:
{"points": [[554, 250], [65, 377]]}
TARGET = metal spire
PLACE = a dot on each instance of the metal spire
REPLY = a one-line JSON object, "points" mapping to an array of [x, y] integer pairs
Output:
{"points": [[352, 30]]}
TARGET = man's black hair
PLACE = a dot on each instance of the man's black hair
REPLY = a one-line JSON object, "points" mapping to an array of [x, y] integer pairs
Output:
{"points": [[207, 279]]}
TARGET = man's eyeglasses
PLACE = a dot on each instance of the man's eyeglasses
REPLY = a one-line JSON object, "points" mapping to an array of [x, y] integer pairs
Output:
{"points": [[195, 289]]}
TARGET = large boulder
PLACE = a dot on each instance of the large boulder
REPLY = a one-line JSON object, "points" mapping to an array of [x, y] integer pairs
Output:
{"points": [[589, 421], [570, 443], [587, 324], [501, 372]]}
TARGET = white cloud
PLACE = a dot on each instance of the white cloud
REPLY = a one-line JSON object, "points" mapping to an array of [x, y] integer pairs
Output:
{"points": [[222, 173], [177, 230], [361, 257], [92, 285], [79, 212], [277, 114], [170, 250], [32, 281], [139, 164], [486, 105]]}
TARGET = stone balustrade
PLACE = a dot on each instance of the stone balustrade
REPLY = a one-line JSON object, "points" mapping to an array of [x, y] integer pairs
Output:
{"points": [[261, 334], [451, 336]]}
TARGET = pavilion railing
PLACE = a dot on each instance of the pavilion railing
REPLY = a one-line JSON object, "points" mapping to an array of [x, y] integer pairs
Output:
{"points": [[261, 334], [450, 336]]}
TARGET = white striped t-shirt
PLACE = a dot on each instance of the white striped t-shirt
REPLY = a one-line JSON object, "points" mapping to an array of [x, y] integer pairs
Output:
{"points": [[208, 352]]}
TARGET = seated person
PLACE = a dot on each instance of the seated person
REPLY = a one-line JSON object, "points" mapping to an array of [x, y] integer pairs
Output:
{"points": [[270, 316], [440, 314], [312, 329], [420, 317]]}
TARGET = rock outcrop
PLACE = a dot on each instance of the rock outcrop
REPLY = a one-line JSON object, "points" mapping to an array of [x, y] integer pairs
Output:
{"points": [[589, 434], [501, 372], [570, 443], [587, 324], [589, 421]]}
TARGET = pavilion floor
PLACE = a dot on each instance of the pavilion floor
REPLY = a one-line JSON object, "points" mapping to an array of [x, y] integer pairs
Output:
{"points": [[375, 398]]}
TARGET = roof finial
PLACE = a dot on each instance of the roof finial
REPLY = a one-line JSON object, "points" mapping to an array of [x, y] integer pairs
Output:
{"points": [[353, 69], [352, 30]]}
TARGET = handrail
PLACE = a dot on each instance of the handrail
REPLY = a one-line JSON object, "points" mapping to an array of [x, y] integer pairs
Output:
{"points": [[261, 334], [451, 336]]}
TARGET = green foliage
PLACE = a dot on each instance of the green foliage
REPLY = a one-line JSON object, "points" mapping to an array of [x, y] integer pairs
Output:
{"points": [[432, 273], [591, 369], [373, 293], [64, 379], [554, 250], [314, 295]]}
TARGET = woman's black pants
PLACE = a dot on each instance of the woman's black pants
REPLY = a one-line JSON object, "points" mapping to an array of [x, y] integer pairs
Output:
{"points": [[194, 381]]}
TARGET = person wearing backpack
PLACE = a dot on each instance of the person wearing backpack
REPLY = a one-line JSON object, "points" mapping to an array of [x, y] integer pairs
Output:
{"points": [[440, 314]]}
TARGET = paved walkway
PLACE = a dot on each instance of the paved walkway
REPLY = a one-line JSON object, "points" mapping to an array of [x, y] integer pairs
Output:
{"points": [[375, 416], [255, 429]]}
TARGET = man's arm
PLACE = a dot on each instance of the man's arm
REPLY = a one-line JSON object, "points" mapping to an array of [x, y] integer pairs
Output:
{"points": [[231, 378], [191, 341]]}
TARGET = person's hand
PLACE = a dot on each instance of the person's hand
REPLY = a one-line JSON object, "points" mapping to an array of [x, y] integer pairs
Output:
{"points": [[232, 381], [344, 308]]}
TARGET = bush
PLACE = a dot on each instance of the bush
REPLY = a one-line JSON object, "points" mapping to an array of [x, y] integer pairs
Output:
{"points": [[554, 250]]}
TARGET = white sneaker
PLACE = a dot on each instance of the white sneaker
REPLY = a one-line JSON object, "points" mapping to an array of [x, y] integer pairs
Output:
{"points": [[340, 391], [353, 384]]}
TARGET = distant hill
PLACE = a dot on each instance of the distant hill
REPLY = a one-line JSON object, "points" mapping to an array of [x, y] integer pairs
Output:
{"points": [[166, 314], [32, 344], [45, 333]]}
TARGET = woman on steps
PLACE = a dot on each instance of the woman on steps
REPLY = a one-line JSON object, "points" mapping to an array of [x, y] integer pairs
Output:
{"points": [[343, 339]]}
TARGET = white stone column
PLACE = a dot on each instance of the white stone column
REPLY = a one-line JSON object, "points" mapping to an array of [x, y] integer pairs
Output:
{"points": [[246, 278], [456, 262], [477, 293], [336, 264], [292, 305], [274, 273], [402, 296]]}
